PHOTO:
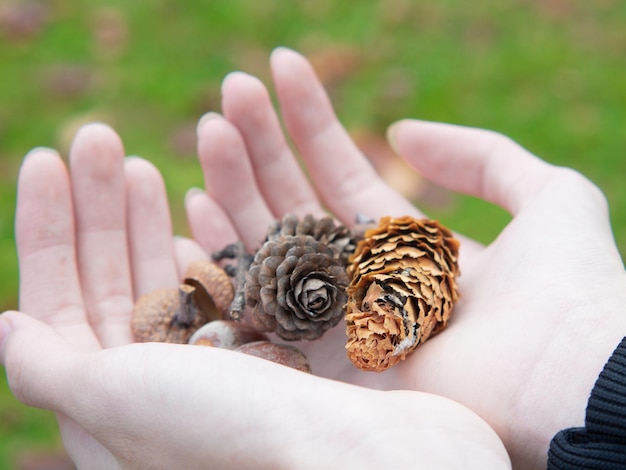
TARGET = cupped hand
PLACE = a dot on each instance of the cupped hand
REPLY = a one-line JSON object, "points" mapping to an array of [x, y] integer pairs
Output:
{"points": [[156, 405], [89, 243], [540, 306]]}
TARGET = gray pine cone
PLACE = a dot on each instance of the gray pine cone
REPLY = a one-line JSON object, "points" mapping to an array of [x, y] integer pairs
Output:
{"points": [[297, 283], [338, 237]]}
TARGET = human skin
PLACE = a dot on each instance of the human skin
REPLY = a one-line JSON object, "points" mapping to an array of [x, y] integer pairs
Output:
{"points": [[91, 241], [541, 306], [538, 317]]}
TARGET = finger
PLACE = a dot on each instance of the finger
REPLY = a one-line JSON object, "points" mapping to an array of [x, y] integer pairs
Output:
{"points": [[33, 354], [30, 350], [149, 228], [44, 231], [493, 167], [136, 383], [209, 224], [44, 371], [186, 251], [344, 178], [229, 178], [246, 103], [97, 176], [472, 161]]}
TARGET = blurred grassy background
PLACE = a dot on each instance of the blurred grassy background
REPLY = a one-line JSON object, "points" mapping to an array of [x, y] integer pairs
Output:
{"points": [[549, 73]]}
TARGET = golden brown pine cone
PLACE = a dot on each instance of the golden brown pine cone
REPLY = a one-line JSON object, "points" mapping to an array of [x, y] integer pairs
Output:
{"points": [[296, 286], [402, 290]]}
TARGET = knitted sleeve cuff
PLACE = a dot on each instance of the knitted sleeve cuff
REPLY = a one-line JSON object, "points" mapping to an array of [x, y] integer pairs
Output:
{"points": [[601, 444]]}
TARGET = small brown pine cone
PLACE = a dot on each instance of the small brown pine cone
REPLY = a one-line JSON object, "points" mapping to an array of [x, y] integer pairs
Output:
{"points": [[402, 290], [338, 237], [296, 286]]}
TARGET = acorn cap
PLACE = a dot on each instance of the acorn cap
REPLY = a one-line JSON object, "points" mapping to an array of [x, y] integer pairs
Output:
{"points": [[215, 290]]}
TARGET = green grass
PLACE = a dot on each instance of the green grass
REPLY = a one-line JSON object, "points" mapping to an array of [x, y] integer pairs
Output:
{"points": [[24, 430], [550, 74]]}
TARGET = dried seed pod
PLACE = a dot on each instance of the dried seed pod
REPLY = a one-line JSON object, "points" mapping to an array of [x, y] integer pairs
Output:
{"points": [[172, 315], [296, 286], [226, 334], [166, 315], [279, 353], [214, 289], [402, 290]]}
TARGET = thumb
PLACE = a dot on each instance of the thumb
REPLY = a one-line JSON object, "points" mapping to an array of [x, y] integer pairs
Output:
{"points": [[36, 359], [479, 162]]}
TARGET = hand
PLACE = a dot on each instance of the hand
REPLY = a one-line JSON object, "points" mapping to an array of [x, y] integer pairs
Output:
{"points": [[539, 309], [91, 242]]}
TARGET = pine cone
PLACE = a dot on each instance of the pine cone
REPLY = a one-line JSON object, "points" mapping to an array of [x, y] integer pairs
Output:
{"points": [[402, 290], [337, 237], [296, 284]]}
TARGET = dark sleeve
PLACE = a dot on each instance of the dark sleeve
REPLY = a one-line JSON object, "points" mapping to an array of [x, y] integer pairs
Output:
{"points": [[601, 444]]}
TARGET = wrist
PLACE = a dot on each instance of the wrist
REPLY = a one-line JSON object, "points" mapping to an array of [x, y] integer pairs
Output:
{"points": [[560, 385], [602, 440]]}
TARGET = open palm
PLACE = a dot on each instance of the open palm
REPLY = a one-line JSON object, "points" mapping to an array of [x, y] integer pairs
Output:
{"points": [[525, 343]]}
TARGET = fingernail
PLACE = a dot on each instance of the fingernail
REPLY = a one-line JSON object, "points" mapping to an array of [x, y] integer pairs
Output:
{"points": [[192, 192], [281, 50], [392, 137], [228, 77], [39, 152], [227, 90], [5, 330], [206, 118], [42, 150]]}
